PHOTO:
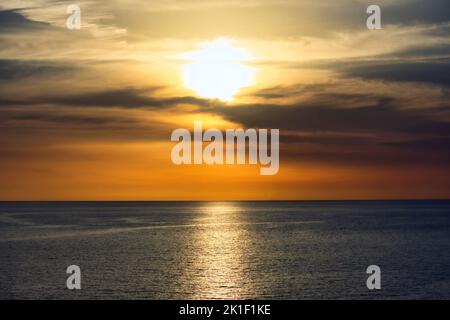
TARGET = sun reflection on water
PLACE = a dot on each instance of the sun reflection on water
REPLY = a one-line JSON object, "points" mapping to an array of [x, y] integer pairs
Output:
{"points": [[219, 259]]}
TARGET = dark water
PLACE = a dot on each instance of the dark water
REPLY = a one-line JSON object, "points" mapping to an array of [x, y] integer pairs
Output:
{"points": [[242, 250]]}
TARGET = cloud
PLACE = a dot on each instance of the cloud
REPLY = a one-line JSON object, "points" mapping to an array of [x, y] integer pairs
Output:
{"points": [[97, 19], [42, 125], [125, 98], [270, 18], [430, 52], [433, 72], [11, 69], [323, 108], [349, 128], [81, 120], [11, 20], [412, 12], [122, 98], [336, 113]]}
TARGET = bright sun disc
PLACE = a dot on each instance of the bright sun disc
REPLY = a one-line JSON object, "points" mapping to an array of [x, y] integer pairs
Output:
{"points": [[218, 71]]}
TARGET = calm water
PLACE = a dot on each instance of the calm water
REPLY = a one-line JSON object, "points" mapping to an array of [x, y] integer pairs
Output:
{"points": [[242, 250]]}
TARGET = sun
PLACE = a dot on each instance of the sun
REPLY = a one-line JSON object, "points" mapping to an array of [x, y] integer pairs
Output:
{"points": [[218, 70]]}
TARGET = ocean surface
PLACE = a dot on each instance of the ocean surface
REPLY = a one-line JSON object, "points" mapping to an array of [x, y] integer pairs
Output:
{"points": [[232, 250]]}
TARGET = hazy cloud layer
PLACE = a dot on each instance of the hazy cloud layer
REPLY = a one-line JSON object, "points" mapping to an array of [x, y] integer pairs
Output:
{"points": [[341, 94]]}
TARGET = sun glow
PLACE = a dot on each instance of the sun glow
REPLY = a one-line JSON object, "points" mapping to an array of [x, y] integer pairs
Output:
{"points": [[218, 70]]}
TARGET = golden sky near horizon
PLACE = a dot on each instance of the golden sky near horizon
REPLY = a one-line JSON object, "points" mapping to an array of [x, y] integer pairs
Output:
{"points": [[87, 114]]}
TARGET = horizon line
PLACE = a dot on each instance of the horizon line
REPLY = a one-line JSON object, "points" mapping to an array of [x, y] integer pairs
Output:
{"points": [[180, 201]]}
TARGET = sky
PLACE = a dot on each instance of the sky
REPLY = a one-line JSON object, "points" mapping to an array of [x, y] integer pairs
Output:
{"points": [[87, 114]]}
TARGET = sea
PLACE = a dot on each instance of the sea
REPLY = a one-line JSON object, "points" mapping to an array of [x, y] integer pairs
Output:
{"points": [[225, 250]]}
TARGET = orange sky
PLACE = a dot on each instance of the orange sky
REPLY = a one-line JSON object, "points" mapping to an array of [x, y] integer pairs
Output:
{"points": [[87, 114]]}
